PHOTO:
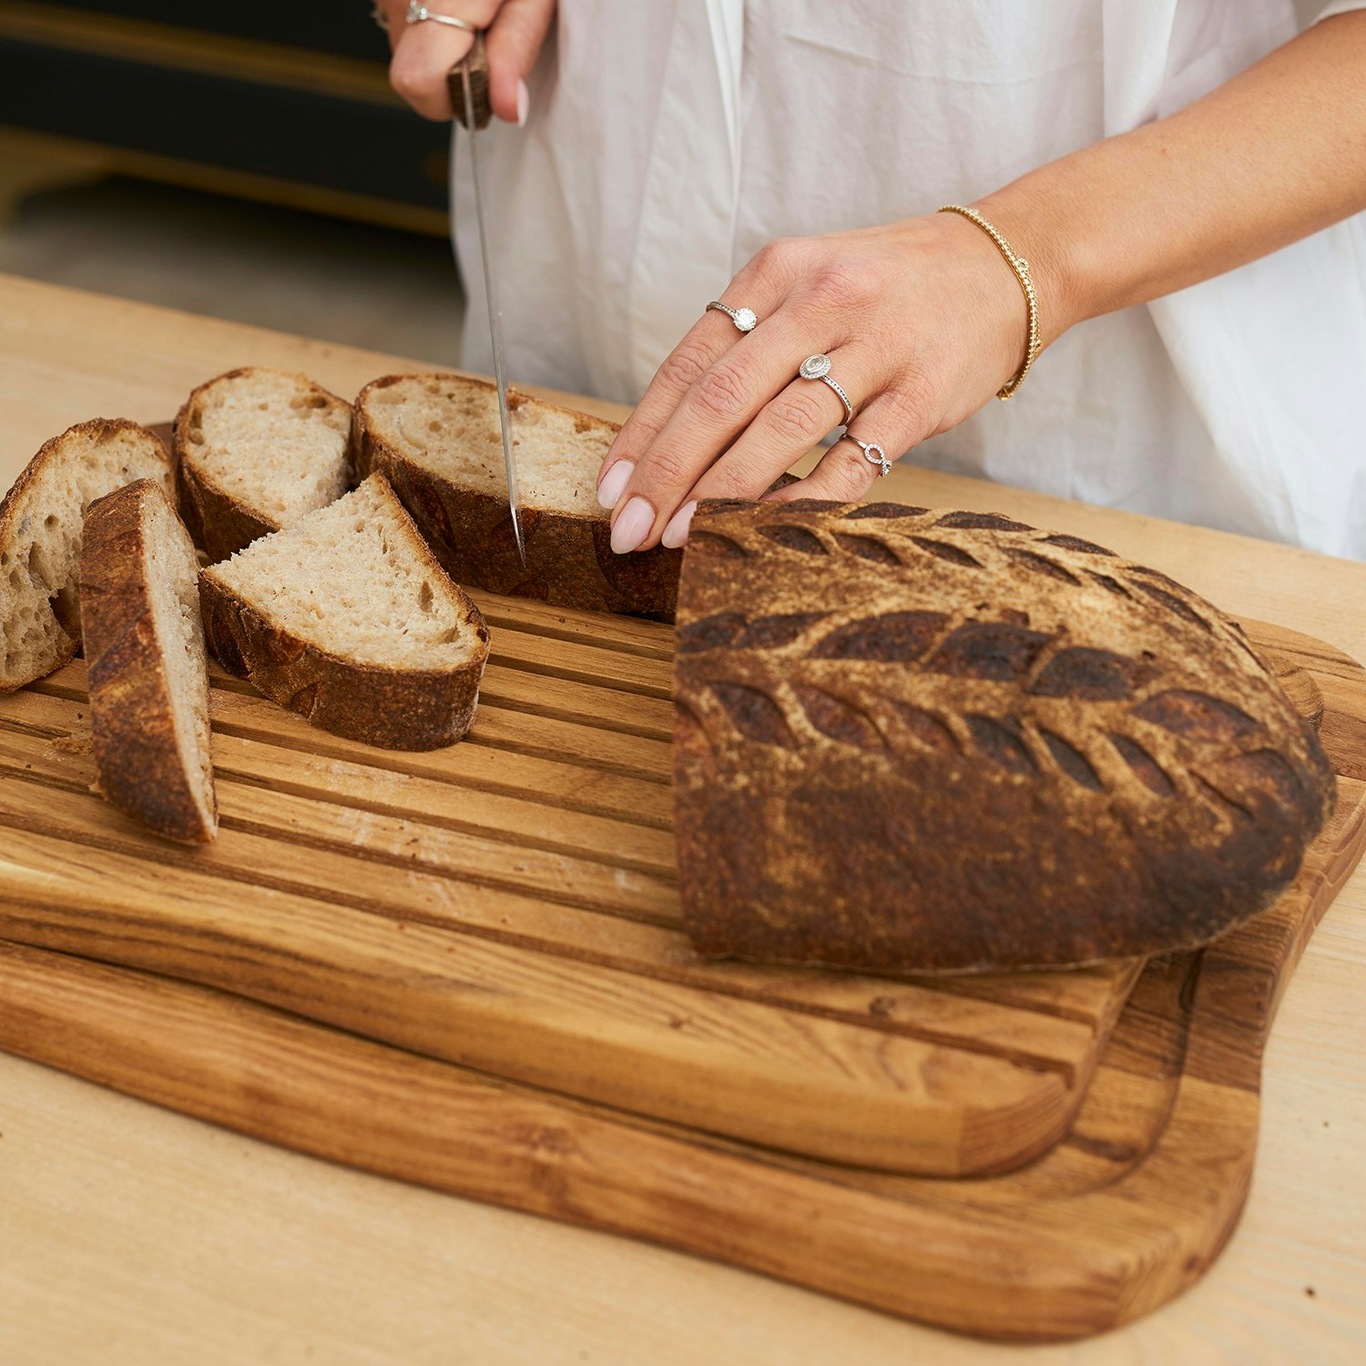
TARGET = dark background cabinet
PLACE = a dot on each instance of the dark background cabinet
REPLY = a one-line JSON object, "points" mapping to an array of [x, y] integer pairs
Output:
{"points": [[285, 101]]}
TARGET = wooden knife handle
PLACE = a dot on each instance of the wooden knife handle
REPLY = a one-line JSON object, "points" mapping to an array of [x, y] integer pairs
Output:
{"points": [[477, 62]]}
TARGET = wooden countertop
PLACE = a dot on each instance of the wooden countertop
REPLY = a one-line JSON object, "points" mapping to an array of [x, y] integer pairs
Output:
{"points": [[132, 1235]]}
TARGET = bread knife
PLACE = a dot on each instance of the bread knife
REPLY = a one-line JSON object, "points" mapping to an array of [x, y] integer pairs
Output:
{"points": [[468, 82]]}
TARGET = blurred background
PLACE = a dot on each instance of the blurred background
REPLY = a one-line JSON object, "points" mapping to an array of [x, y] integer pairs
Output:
{"points": [[245, 160]]}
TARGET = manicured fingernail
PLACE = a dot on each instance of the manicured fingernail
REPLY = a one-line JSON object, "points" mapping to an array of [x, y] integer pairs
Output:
{"points": [[613, 484], [632, 526], [677, 530], [523, 103]]}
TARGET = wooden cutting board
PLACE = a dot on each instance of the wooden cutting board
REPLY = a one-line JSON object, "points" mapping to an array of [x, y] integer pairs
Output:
{"points": [[1132, 1206], [510, 904]]}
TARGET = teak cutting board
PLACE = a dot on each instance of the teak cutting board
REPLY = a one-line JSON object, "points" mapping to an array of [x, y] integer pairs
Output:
{"points": [[511, 904], [1128, 1209]]}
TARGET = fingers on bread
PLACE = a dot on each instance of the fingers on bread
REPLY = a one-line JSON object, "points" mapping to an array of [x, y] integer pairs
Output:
{"points": [[945, 741], [437, 439], [255, 450], [347, 618], [144, 648], [41, 526]]}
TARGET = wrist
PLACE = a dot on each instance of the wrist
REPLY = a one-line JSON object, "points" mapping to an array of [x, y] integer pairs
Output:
{"points": [[1028, 221], [1020, 268]]}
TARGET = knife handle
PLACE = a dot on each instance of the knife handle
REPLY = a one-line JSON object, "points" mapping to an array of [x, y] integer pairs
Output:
{"points": [[476, 61]]}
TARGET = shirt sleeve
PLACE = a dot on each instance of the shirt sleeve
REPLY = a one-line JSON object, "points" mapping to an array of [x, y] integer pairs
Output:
{"points": [[1316, 10]]}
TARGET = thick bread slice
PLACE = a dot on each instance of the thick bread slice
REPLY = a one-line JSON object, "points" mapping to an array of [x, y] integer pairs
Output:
{"points": [[40, 538], [436, 439], [256, 449], [945, 741], [347, 619], [149, 686]]}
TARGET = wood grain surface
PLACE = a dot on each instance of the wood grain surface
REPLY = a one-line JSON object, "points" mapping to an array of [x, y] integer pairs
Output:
{"points": [[133, 1234], [1127, 1210], [510, 903]]}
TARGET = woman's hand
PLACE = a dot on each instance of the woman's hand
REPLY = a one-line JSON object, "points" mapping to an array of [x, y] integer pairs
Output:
{"points": [[923, 321], [424, 53]]}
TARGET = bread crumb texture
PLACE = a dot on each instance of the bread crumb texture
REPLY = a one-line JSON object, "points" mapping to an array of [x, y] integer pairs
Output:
{"points": [[276, 442], [40, 538], [450, 426], [356, 580]]}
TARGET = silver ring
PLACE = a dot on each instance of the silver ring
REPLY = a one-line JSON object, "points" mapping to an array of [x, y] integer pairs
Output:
{"points": [[418, 13], [872, 453], [818, 367], [744, 318]]}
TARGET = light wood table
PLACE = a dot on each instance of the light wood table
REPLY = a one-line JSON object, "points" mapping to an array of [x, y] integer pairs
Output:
{"points": [[132, 1235]]}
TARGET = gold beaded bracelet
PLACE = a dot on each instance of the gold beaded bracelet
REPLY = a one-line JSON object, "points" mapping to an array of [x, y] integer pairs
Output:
{"points": [[1021, 268]]}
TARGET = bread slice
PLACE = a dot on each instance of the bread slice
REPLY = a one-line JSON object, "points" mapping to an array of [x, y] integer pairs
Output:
{"points": [[149, 686], [925, 740], [40, 538], [347, 619], [256, 449], [436, 439]]}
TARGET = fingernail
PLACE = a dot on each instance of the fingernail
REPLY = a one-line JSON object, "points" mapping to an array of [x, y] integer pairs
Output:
{"points": [[613, 484], [677, 530], [632, 526], [523, 103]]}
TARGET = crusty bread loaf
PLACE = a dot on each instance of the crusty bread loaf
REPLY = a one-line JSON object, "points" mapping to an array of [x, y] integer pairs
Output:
{"points": [[436, 439], [944, 741], [347, 619], [149, 687], [40, 538], [255, 450]]}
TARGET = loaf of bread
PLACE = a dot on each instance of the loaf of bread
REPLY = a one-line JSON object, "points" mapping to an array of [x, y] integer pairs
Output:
{"points": [[40, 538], [144, 645], [347, 619], [437, 440], [945, 741], [255, 450]]}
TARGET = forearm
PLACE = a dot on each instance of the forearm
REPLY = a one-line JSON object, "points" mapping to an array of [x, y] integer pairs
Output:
{"points": [[1275, 154]]}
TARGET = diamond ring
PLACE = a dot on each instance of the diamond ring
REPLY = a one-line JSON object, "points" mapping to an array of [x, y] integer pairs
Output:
{"points": [[418, 12], [818, 367], [744, 318], [873, 453]]}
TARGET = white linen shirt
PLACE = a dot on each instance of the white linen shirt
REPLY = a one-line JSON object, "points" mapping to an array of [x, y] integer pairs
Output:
{"points": [[668, 141]]}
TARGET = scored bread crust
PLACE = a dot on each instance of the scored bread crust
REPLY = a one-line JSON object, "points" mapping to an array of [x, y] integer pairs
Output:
{"points": [[28, 497], [220, 522], [142, 769], [393, 707], [935, 741], [569, 556]]}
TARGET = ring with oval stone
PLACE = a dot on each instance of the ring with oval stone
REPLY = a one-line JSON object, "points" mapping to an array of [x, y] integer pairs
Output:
{"points": [[818, 367], [744, 318]]}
